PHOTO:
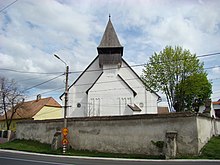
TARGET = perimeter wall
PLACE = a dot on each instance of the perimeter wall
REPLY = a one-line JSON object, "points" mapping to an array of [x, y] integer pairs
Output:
{"points": [[180, 133]]}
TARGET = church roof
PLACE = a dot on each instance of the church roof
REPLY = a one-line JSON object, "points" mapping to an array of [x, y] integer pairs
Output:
{"points": [[126, 65], [109, 38]]}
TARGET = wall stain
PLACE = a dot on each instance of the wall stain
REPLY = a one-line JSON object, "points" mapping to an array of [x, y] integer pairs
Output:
{"points": [[92, 131]]}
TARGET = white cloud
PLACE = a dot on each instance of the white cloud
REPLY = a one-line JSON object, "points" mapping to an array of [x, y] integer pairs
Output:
{"points": [[32, 31], [216, 70]]}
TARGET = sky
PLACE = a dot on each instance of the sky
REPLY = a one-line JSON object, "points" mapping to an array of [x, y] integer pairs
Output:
{"points": [[32, 31]]}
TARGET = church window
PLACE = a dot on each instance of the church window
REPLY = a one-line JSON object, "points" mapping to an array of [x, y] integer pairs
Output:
{"points": [[123, 102], [94, 107]]}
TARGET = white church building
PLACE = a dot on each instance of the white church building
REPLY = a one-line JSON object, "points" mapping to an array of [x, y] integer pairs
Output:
{"points": [[109, 86]]}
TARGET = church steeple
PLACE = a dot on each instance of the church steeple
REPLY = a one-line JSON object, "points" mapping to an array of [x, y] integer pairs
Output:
{"points": [[110, 50]]}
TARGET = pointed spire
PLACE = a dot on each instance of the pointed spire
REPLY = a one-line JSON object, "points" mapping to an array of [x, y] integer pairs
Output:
{"points": [[109, 38], [110, 50]]}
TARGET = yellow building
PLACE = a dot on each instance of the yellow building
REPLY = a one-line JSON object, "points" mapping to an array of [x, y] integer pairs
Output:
{"points": [[39, 109]]}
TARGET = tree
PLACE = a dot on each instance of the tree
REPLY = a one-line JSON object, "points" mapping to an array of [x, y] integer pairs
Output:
{"points": [[179, 75], [11, 98], [196, 89]]}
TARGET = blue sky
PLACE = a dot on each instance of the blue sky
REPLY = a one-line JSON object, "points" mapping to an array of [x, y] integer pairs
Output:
{"points": [[32, 31]]}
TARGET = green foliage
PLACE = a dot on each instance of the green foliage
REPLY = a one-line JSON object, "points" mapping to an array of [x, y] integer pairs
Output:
{"points": [[171, 71], [194, 86], [158, 144]]}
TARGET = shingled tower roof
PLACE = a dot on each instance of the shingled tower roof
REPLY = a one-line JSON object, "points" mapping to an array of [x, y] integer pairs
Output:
{"points": [[109, 38], [110, 50]]}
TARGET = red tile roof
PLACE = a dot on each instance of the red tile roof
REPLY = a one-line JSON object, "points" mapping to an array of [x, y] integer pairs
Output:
{"points": [[30, 108], [216, 103]]}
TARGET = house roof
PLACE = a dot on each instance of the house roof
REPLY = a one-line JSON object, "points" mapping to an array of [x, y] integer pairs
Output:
{"points": [[216, 102], [109, 38], [31, 108]]}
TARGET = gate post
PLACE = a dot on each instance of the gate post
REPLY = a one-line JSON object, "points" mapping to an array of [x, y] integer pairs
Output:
{"points": [[171, 146]]}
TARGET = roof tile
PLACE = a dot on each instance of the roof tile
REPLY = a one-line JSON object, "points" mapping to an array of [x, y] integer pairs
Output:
{"points": [[30, 108]]}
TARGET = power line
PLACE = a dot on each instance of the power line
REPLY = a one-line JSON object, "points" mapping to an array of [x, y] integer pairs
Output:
{"points": [[90, 71], [211, 79], [105, 82], [137, 65], [8, 6], [108, 89], [94, 70], [49, 91], [112, 89], [210, 54], [86, 84], [57, 89], [43, 83], [33, 78], [212, 67], [25, 72], [143, 64]]}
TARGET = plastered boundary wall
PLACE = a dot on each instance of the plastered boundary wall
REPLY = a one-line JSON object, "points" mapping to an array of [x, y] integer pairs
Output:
{"points": [[206, 127], [126, 134]]}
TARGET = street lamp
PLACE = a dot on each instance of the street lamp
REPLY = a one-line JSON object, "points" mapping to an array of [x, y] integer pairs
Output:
{"points": [[65, 130]]}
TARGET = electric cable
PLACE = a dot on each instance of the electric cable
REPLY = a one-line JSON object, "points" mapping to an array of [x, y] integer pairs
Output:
{"points": [[8, 6], [42, 83], [137, 65]]}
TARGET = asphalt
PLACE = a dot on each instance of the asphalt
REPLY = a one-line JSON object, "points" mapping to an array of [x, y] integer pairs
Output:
{"points": [[12, 157]]}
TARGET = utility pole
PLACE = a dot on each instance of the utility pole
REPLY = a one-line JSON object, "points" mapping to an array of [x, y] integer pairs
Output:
{"points": [[66, 97], [65, 129]]}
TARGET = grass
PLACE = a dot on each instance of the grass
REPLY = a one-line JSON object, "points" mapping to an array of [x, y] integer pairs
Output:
{"points": [[27, 145], [210, 151], [35, 146]]}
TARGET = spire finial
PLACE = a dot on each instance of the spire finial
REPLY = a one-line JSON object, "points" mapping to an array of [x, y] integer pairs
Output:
{"points": [[109, 16]]}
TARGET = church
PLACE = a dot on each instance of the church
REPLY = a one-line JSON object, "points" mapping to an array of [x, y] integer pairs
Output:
{"points": [[109, 86]]}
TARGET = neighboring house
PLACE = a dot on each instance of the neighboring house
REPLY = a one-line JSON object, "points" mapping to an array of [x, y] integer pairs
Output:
{"points": [[109, 86], [208, 108], [39, 109], [162, 110], [216, 107]]}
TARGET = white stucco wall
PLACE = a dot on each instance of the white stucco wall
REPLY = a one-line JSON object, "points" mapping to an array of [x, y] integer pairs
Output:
{"points": [[77, 93], [144, 97], [110, 94], [217, 127], [207, 127], [123, 134]]}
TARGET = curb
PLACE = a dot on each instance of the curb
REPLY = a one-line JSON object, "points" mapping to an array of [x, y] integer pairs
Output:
{"points": [[102, 158]]}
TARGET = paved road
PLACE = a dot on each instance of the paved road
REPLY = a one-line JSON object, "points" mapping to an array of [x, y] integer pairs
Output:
{"points": [[22, 158]]}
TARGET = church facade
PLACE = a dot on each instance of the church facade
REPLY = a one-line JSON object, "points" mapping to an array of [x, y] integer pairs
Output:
{"points": [[109, 86]]}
